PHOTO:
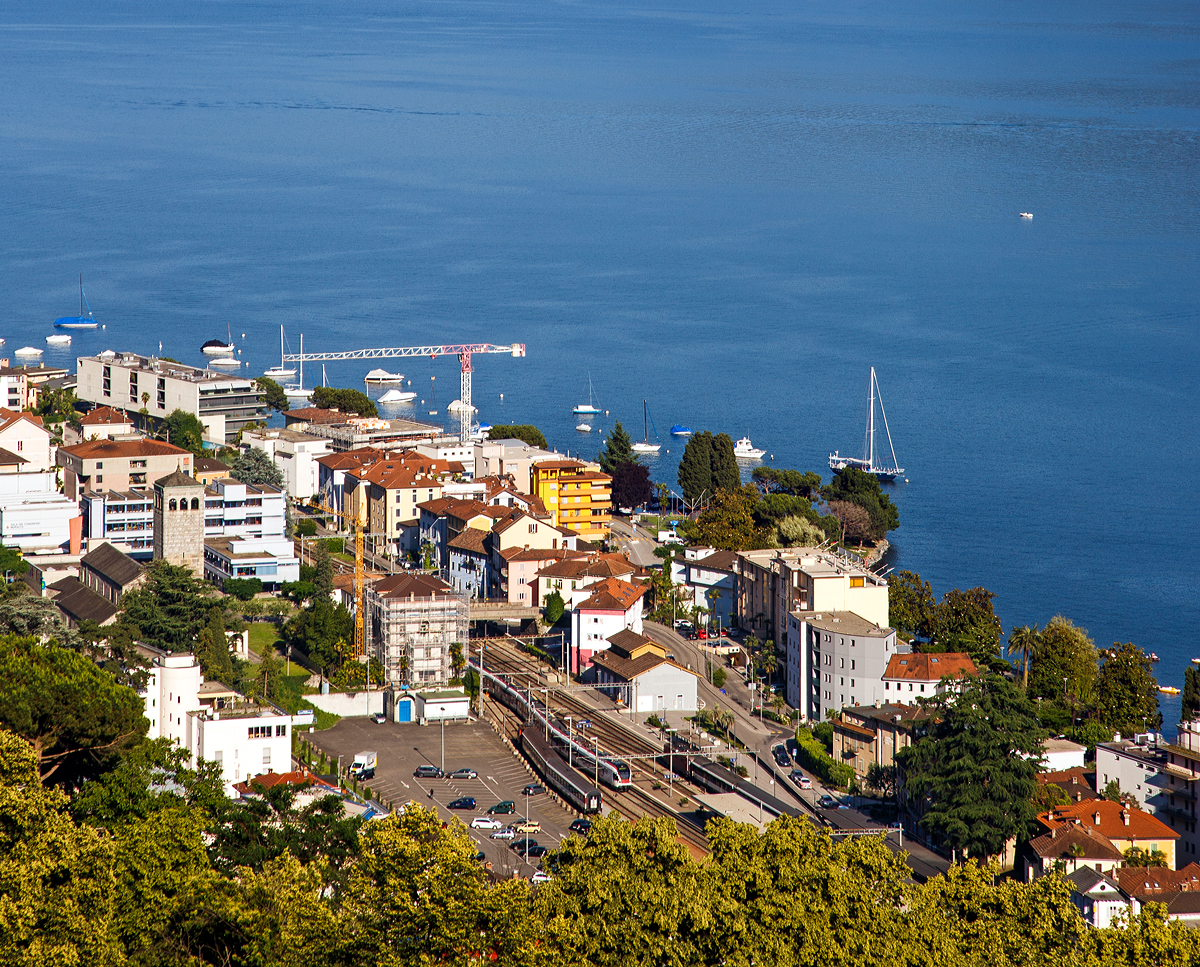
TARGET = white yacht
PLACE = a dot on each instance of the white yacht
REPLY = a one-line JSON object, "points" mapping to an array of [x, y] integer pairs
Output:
{"points": [[58, 340], [28, 352], [396, 396], [745, 450], [584, 428], [383, 377]]}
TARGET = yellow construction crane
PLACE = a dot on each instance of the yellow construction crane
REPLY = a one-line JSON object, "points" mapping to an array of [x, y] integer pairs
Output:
{"points": [[358, 525]]}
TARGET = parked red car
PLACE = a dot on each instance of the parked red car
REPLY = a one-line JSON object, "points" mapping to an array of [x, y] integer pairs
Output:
{"points": [[701, 634]]}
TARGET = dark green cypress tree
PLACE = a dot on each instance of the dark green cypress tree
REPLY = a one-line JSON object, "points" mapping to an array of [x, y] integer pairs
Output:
{"points": [[695, 467], [725, 472], [618, 449], [1190, 703]]}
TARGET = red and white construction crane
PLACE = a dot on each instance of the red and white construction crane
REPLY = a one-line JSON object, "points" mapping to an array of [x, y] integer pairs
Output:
{"points": [[464, 354]]}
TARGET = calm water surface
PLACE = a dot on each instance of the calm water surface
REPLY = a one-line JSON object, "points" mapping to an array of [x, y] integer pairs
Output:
{"points": [[731, 210]]}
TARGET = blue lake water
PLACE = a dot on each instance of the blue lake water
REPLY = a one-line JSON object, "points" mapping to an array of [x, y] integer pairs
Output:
{"points": [[731, 210]]}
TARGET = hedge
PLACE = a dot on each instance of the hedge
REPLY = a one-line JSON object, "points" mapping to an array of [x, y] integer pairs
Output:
{"points": [[812, 755]]}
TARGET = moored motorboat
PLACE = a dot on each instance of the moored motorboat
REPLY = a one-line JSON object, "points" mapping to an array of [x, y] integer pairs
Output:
{"points": [[383, 377], [1168, 689], [680, 430], [584, 428], [228, 362], [26, 352], [58, 340], [396, 396], [745, 450], [214, 347]]}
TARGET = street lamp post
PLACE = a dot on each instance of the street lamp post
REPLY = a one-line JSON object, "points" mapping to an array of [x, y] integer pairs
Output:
{"points": [[442, 712], [570, 740]]}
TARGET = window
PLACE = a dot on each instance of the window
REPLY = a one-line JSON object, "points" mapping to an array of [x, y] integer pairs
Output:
{"points": [[280, 730], [100, 478], [20, 445], [266, 755], [857, 582], [852, 664], [172, 504], [843, 662]]}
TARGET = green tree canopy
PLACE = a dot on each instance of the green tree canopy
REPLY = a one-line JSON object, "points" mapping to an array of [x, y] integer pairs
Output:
{"points": [[12, 564], [965, 622], [1127, 691], [243, 588], [695, 467], [618, 450], [183, 429], [57, 405], [1062, 670], [911, 605], [973, 771], [1190, 704], [631, 485], [726, 475], [169, 609], [72, 713], [254, 466], [555, 606], [772, 480], [727, 523], [525, 432], [858, 487], [272, 394], [344, 401]]}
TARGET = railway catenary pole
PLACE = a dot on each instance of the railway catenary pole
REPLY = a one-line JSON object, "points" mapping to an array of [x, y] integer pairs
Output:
{"points": [[463, 352]]}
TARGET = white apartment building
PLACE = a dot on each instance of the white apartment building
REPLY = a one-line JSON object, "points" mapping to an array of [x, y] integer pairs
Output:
{"points": [[24, 436], [836, 659], [222, 402], [295, 454], [34, 516], [244, 740]]}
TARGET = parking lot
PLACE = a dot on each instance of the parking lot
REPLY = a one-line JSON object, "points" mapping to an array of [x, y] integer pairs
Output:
{"points": [[502, 776]]}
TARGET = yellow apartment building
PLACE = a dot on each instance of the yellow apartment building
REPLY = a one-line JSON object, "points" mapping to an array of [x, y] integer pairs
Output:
{"points": [[578, 498]]}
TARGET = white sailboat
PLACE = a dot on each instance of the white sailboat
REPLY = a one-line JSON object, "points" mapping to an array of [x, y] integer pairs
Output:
{"points": [[869, 462], [214, 347], [646, 446], [282, 371], [590, 407], [297, 391]]}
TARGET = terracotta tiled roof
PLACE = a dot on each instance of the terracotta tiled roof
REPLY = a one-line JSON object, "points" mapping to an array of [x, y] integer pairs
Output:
{"points": [[717, 561], [536, 554], [10, 459], [350, 459], [105, 416], [1076, 782], [599, 566], [470, 539], [406, 585], [1115, 820], [559, 465], [612, 594], [114, 449], [629, 670], [300, 777], [210, 465], [1080, 842], [314, 414], [929, 668], [1139, 881], [9, 417], [438, 506]]}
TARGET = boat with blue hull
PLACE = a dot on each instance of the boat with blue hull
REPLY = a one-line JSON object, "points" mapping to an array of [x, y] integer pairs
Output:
{"points": [[80, 321], [680, 430]]}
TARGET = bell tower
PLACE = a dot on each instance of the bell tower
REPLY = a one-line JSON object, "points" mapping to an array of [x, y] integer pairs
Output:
{"points": [[179, 521]]}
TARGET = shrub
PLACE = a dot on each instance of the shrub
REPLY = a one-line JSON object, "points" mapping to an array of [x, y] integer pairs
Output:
{"points": [[812, 756], [243, 588], [718, 677], [307, 528]]}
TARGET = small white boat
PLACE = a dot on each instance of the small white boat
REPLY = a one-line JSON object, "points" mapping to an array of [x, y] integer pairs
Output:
{"points": [[1026, 214], [282, 371], [28, 351], [396, 396], [458, 406], [584, 428], [745, 450], [214, 347], [382, 376], [227, 362], [590, 407], [646, 446], [58, 340]]}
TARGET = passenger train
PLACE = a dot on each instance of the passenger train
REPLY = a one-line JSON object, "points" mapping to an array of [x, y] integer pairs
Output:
{"points": [[564, 780]]}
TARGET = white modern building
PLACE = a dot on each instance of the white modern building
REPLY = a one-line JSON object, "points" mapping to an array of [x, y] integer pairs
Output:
{"points": [[270, 559], [711, 580], [836, 659], [222, 402], [641, 675], [295, 454], [245, 741], [34, 516], [171, 692]]}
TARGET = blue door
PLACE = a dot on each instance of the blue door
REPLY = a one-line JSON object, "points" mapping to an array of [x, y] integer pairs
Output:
{"points": [[404, 710]]}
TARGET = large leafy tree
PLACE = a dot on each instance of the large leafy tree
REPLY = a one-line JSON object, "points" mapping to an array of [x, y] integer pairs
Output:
{"points": [[631, 485], [858, 487], [773, 480], [727, 522], [1062, 670], [169, 610], [973, 773], [183, 429], [525, 432], [254, 466], [1127, 691], [911, 605], [965, 621], [272, 394], [344, 401], [695, 467], [726, 475], [73, 714], [618, 450]]}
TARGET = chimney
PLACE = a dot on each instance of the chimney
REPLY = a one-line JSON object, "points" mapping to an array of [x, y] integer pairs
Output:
{"points": [[1125, 816], [1054, 834], [1096, 817]]}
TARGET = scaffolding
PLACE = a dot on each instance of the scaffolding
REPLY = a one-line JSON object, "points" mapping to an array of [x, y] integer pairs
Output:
{"points": [[413, 637]]}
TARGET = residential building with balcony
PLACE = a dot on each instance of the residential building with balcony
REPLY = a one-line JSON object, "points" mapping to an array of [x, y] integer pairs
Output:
{"points": [[835, 659], [577, 497], [24, 436], [118, 465], [222, 402], [613, 606], [710, 578], [21, 386], [869, 735], [295, 454], [511, 458]]}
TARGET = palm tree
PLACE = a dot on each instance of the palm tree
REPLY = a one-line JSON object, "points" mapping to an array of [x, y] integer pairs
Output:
{"points": [[1024, 641]]}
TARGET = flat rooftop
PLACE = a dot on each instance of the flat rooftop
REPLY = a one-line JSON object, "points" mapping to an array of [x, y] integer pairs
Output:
{"points": [[167, 368]]}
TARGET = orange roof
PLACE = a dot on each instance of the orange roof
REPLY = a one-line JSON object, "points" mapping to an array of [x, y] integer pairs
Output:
{"points": [[929, 668], [559, 465], [536, 554], [1140, 880], [299, 777], [1113, 819], [471, 539], [598, 565], [102, 449], [418, 585], [105, 416], [314, 414], [1081, 842], [350, 459], [9, 417], [612, 594]]}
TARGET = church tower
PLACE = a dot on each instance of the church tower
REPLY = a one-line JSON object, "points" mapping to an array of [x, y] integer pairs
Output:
{"points": [[179, 521]]}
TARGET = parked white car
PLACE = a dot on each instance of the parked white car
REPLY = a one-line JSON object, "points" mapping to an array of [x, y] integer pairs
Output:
{"points": [[504, 834], [485, 822]]}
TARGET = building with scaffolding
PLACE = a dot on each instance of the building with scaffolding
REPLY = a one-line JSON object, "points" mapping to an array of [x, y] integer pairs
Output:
{"points": [[414, 621]]}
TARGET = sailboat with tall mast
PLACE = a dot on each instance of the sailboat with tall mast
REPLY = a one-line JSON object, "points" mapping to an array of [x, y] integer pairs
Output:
{"points": [[872, 461], [283, 370], [80, 321], [646, 446], [298, 392], [590, 407]]}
